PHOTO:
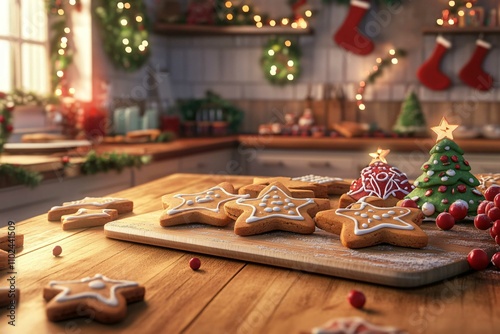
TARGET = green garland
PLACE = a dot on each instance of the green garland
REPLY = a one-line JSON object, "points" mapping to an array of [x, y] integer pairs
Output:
{"points": [[281, 60], [124, 31], [20, 175], [105, 162]]}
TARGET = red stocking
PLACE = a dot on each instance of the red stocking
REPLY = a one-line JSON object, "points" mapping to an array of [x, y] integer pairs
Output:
{"points": [[472, 73], [429, 73], [348, 35]]}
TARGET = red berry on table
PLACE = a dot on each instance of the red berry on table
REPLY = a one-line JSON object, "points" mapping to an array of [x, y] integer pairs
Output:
{"points": [[445, 221], [458, 209], [408, 203], [494, 213], [481, 207], [496, 200], [495, 259], [478, 259], [488, 207], [491, 192], [57, 251], [482, 222], [495, 229], [195, 263], [356, 298]]}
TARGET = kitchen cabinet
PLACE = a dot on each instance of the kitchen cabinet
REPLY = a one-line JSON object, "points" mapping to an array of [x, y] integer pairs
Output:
{"points": [[214, 162], [154, 171]]}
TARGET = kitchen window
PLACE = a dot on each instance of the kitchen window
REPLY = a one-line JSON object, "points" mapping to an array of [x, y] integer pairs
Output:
{"points": [[24, 46]]}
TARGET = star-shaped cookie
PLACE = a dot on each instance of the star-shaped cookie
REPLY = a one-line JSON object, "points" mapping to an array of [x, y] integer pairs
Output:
{"points": [[299, 189], [364, 224], [201, 207], [274, 209], [99, 297]]}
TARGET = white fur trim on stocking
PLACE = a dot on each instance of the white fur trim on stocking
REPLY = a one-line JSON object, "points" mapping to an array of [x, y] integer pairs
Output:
{"points": [[359, 3], [443, 41], [483, 43]]}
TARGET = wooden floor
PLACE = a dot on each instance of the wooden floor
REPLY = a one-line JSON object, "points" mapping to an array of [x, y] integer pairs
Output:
{"points": [[227, 296]]}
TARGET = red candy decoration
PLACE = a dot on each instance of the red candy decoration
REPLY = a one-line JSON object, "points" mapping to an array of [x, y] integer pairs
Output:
{"points": [[356, 298], [457, 166], [442, 174], [495, 259], [478, 259], [195, 263], [459, 209], [462, 188], [454, 158], [482, 222], [442, 189], [445, 221], [444, 201], [428, 192], [444, 158], [408, 203], [426, 166], [426, 179], [466, 163]]}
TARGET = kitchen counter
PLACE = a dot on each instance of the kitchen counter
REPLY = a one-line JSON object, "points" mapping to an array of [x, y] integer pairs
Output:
{"points": [[227, 296]]}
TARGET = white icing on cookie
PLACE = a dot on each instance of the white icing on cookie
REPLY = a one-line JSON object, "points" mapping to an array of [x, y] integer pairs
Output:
{"points": [[83, 213]]}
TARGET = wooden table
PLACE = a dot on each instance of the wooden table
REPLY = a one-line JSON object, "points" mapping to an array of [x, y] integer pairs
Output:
{"points": [[227, 296]]}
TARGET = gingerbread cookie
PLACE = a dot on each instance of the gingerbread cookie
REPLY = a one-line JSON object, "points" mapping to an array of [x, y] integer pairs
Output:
{"points": [[363, 224], [378, 179], [334, 185], [121, 205], [98, 297], [14, 240], [299, 189], [274, 209], [9, 296], [354, 325], [88, 218], [486, 180], [202, 207]]}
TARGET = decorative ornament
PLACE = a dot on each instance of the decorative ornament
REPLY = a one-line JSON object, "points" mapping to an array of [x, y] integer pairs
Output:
{"points": [[377, 70], [430, 74], [379, 155], [281, 60], [125, 32], [446, 177], [472, 73], [411, 119], [348, 35]]}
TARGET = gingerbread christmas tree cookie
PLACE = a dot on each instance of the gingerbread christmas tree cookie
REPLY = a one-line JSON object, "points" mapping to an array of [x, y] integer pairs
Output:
{"points": [[102, 298], [446, 177], [378, 179], [204, 207], [274, 209], [364, 224]]}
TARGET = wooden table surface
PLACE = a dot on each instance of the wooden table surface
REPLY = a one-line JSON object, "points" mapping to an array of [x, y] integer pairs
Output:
{"points": [[227, 296]]}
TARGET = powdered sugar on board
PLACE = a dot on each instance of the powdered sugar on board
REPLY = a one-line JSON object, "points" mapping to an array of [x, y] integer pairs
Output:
{"points": [[320, 252]]}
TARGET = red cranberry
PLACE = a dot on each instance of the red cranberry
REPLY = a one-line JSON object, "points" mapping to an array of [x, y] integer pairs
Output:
{"points": [[356, 298], [482, 206], [445, 221], [459, 209], [57, 251], [491, 192], [495, 229], [478, 259], [495, 259], [195, 263], [482, 222], [496, 200], [494, 213], [488, 207], [408, 203]]}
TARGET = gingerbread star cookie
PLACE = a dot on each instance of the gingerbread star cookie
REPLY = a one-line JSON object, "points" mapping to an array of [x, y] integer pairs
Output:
{"points": [[121, 205], [88, 218], [202, 207], [363, 224], [274, 209], [354, 325], [99, 297], [486, 180], [298, 188], [11, 241]]}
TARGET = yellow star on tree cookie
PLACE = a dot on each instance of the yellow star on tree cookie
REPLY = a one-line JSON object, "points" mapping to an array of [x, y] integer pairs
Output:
{"points": [[363, 224], [444, 130], [379, 155], [274, 209]]}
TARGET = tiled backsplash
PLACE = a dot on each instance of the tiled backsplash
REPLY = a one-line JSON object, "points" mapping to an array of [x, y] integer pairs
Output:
{"points": [[229, 65]]}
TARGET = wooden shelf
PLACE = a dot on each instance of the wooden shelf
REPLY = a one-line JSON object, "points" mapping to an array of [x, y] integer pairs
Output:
{"points": [[461, 30], [207, 30]]}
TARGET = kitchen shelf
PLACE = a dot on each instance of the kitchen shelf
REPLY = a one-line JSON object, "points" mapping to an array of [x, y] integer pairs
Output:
{"points": [[208, 30], [461, 30]]}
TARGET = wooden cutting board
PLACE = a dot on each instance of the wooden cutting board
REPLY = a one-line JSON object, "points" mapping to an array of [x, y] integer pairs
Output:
{"points": [[36, 163], [321, 252]]}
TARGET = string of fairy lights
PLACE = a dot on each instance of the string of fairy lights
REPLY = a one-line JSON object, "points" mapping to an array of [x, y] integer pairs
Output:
{"points": [[376, 71], [456, 7]]}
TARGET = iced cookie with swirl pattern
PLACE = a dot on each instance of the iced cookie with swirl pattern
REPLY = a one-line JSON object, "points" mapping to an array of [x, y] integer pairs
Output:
{"points": [[334, 185], [99, 298], [121, 205], [88, 218], [363, 224], [486, 180], [275, 209], [299, 189], [205, 207]]}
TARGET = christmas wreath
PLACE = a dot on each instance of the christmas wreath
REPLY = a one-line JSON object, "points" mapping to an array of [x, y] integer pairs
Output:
{"points": [[124, 30], [281, 60]]}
